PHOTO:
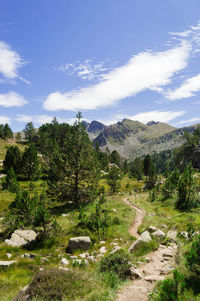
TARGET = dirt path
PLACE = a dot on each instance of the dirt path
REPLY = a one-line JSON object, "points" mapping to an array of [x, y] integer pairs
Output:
{"points": [[159, 264], [140, 214]]}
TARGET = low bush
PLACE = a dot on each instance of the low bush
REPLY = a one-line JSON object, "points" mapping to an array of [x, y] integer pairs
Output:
{"points": [[119, 263]]}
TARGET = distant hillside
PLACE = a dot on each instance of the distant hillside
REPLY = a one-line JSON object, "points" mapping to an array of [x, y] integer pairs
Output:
{"points": [[133, 138]]}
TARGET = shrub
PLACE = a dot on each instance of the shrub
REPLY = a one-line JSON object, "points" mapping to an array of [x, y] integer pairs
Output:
{"points": [[119, 263], [55, 284], [193, 256], [169, 289]]}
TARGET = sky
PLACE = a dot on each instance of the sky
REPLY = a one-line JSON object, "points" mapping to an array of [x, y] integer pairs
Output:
{"points": [[109, 59]]}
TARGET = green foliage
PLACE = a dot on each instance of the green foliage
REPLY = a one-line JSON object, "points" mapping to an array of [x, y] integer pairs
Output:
{"points": [[13, 159], [98, 220], [113, 178], [81, 169], [186, 191], [170, 288], [10, 181], [55, 284], [27, 210], [30, 163], [6, 131], [119, 263], [136, 169], [29, 132], [193, 256], [18, 137], [115, 158]]}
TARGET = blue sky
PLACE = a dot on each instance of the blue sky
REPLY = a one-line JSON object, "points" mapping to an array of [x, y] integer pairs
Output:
{"points": [[109, 59]]}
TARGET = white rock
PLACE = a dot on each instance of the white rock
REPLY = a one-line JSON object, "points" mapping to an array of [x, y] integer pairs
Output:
{"points": [[152, 278], [172, 235], [21, 238], [102, 242], [135, 273], [145, 237], [64, 261], [64, 269], [115, 249], [102, 250], [84, 255], [152, 228], [158, 233], [6, 263], [79, 243], [9, 255]]}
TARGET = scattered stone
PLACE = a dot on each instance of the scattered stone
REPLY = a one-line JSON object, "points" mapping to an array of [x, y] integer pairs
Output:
{"points": [[73, 257], [115, 249], [172, 235], [29, 255], [92, 258], [79, 243], [80, 261], [147, 259], [158, 233], [152, 229], [114, 244], [102, 242], [64, 269], [9, 255], [44, 259], [152, 278], [64, 261], [65, 214], [184, 234], [6, 263], [135, 273], [166, 270], [2, 218], [84, 255], [102, 250], [99, 255], [21, 238], [114, 210]]}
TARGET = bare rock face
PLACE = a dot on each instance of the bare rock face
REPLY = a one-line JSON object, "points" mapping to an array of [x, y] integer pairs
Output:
{"points": [[135, 273], [21, 238], [152, 229], [79, 243]]}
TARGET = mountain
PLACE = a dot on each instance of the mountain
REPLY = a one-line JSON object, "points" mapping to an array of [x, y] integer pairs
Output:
{"points": [[133, 138]]}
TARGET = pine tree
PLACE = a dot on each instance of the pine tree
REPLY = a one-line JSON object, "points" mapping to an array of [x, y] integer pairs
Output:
{"points": [[30, 163], [29, 132], [113, 179], [13, 160], [186, 191], [10, 181], [81, 168], [7, 133]]}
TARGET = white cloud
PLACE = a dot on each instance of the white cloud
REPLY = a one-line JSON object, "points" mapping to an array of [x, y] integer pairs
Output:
{"points": [[147, 70], [42, 119], [187, 89], [87, 70], [12, 99], [144, 117], [4, 119], [161, 116], [195, 119], [10, 61]]}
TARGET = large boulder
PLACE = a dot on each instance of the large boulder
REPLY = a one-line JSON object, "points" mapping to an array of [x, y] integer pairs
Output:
{"points": [[21, 238], [145, 238], [79, 243]]}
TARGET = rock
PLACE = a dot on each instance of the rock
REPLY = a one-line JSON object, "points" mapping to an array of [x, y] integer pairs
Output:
{"points": [[29, 255], [114, 244], [44, 259], [145, 237], [2, 218], [73, 257], [21, 238], [6, 263], [115, 249], [172, 235], [65, 214], [92, 258], [135, 273], [166, 270], [114, 210], [147, 259], [64, 261], [84, 255], [167, 254], [79, 243], [152, 278], [102, 250], [80, 261], [9, 255], [64, 269], [99, 255], [102, 242], [184, 234], [152, 229], [158, 233]]}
